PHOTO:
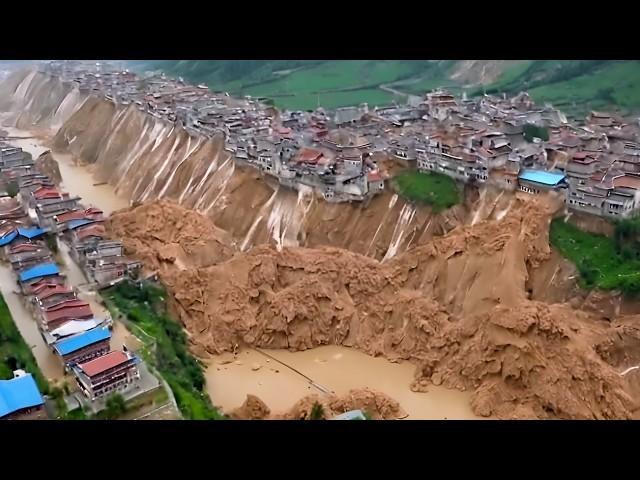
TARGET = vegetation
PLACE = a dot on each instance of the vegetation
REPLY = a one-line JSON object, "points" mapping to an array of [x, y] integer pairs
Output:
{"points": [[14, 352], [77, 414], [573, 85], [317, 412], [52, 243], [114, 407], [603, 262], [12, 189], [165, 345], [435, 189], [531, 131]]}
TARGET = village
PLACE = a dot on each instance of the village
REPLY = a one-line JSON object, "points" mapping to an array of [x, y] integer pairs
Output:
{"points": [[37, 219], [485, 140]]}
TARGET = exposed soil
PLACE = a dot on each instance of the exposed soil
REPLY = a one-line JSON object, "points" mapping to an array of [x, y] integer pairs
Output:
{"points": [[378, 405], [457, 307]]}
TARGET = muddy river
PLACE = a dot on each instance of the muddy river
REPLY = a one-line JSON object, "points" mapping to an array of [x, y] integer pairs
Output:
{"points": [[336, 369]]}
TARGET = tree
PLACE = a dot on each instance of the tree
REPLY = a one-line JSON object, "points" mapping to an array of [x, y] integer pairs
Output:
{"points": [[115, 406], [12, 189], [317, 412], [532, 131]]}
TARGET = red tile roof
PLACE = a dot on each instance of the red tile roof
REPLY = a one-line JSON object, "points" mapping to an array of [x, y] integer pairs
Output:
{"points": [[104, 363], [46, 192], [309, 155], [43, 282], [96, 230], [68, 303], [52, 289], [374, 177], [24, 247], [69, 309], [78, 215], [627, 181]]}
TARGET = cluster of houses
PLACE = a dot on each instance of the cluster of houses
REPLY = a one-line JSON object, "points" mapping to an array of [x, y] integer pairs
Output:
{"points": [[295, 148], [30, 224], [594, 163]]}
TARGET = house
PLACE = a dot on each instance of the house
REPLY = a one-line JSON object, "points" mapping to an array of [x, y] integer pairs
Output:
{"points": [[48, 295], [84, 346], [73, 327], [54, 316], [112, 372], [21, 234], [376, 182], [107, 271], [20, 398], [35, 273], [29, 287], [537, 181], [95, 231]]}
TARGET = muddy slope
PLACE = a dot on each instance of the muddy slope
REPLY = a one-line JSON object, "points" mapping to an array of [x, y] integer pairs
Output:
{"points": [[457, 307], [376, 404], [37, 100]]}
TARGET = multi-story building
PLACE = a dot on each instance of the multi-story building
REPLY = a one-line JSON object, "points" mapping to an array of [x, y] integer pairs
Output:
{"points": [[109, 373]]}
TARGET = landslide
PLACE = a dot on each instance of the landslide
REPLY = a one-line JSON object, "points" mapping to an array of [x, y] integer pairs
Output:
{"points": [[147, 159], [166, 236], [37, 100], [47, 165], [377, 404], [458, 307]]}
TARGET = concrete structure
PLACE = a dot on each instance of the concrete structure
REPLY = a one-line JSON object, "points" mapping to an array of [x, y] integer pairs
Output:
{"points": [[106, 374]]}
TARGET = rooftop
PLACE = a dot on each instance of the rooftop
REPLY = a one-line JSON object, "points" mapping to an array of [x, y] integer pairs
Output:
{"points": [[42, 270], [18, 393], [542, 177], [82, 340], [103, 363]]}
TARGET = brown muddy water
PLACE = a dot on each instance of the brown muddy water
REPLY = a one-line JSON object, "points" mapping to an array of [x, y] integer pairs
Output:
{"points": [[334, 368]]}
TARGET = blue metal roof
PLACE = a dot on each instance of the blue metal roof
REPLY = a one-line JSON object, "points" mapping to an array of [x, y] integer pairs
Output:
{"points": [[18, 393], [7, 239], [69, 345], [351, 415], [541, 176], [41, 270], [73, 224], [31, 232]]}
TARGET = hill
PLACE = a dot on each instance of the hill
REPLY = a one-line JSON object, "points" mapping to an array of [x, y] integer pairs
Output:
{"points": [[574, 85]]}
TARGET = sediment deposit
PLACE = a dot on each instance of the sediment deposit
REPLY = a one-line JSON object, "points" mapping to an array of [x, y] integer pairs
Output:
{"points": [[457, 307], [376, 404]]}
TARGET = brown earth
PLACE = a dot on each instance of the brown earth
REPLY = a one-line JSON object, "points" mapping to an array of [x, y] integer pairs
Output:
{"points": [[376, 404], [48, 165], [457, 306]]}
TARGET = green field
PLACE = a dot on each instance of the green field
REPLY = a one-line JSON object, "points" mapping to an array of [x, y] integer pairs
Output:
{"points": [[600, 263], [435, 189], [165, 345], [573, 85], [14, 352]]}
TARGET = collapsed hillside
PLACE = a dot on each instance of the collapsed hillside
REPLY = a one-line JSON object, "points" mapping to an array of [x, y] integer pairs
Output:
{"points": [[376, 404], [457, 307], [146, 158]]}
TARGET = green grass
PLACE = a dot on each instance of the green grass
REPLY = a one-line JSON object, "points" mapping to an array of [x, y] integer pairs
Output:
{"points": [[615, 84], [435, 189], [599, 262], [14, 351], [77, 414], [575, 86], [165, 345]]}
